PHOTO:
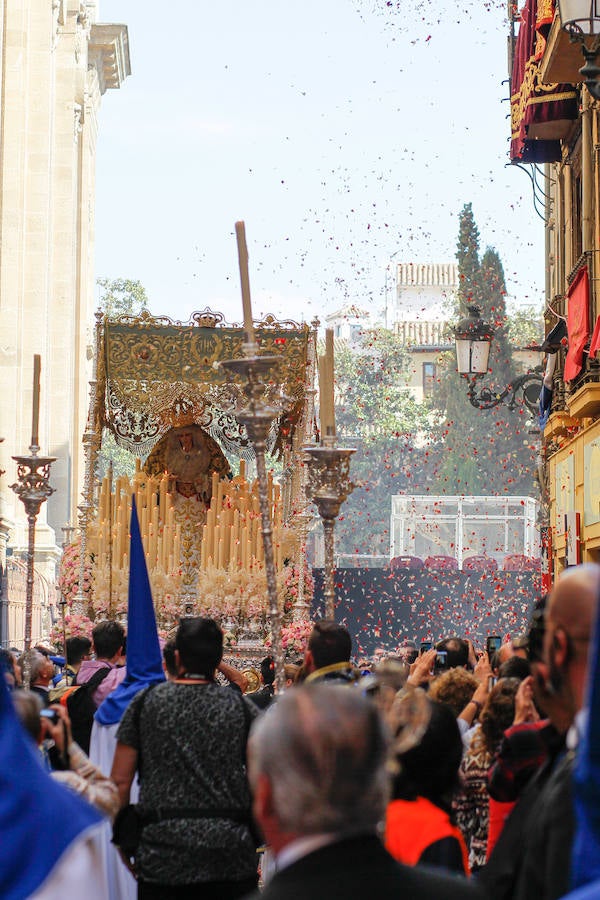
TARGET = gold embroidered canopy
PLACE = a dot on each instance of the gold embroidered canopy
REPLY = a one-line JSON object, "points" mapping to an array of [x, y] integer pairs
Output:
{"points": [[155, 374]]}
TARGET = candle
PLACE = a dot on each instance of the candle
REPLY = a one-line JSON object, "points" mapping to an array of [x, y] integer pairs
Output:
{"points": [[326, 371], [162, 497], [176, 547], [35, 413], [326, 413], [232, 544], [203, 548], [240, 233]]}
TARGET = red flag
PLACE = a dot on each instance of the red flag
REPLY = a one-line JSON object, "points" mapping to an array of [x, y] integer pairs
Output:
{"points": [[578, 323], [595, 342]]}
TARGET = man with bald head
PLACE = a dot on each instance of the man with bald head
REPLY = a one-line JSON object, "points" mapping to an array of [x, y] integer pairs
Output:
{"points": [[569, 621], [532, 856]]}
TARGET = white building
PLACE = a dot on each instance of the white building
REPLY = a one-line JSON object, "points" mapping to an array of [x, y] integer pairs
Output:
{"points": [[423, 293], [349, 323], [56, 62]]}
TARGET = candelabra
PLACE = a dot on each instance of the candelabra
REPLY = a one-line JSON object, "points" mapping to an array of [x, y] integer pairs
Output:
{"points": [[328, 486], [256, 416], [32, 488], [302, 523], [91, 443]]}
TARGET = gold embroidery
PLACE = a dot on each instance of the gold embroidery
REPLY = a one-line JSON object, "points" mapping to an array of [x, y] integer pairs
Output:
{"points": [[156, 374], [531, 92]]}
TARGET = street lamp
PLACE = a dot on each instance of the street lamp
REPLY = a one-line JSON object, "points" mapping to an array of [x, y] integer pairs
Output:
{"points": [[581, 20], [473, 339]]}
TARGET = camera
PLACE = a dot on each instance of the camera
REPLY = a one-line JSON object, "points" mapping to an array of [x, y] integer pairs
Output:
{"points": [[51, 715]]}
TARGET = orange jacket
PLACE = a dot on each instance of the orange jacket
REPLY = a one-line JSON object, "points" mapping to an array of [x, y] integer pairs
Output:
{"points": [[412, 825]]}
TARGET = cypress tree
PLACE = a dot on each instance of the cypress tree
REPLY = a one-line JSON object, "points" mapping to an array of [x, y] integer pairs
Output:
{"points": [[485, 451]]}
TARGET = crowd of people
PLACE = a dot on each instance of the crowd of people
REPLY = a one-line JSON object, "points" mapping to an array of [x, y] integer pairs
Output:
{"points": [[133, 768]]}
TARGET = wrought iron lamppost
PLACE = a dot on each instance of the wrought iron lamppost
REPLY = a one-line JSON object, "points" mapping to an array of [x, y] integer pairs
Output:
{"points": [[91, 442], [32, 488], [581, 20], [473, 339]]}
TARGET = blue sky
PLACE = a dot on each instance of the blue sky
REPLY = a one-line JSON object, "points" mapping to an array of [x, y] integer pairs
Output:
{"points": [[344, 132]]}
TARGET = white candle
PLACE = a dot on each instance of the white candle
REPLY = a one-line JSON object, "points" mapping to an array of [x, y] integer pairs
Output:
{"points": [[330, 375], [35, 413]]}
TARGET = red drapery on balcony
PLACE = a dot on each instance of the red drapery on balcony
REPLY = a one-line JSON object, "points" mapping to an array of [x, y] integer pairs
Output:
{"points": [[578, 323], [536, 108], [595, 341]]}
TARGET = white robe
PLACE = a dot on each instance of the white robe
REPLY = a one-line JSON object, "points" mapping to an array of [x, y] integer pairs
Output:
{"points": [[121, 883], [78, 873]]}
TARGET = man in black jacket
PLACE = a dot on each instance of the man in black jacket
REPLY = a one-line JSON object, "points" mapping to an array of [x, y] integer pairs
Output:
{"points": [[317, 768], [327, 657], [533, 854]]}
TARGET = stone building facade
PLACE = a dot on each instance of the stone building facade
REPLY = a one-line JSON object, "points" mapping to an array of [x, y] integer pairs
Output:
{"points": [[56, 61]]}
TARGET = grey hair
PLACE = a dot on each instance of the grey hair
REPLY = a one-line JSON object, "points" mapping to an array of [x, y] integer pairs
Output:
{"points": [[28, 707], [323, 750], [37, 661]]}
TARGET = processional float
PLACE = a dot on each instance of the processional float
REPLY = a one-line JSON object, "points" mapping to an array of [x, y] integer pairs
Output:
{"points": [[185, 398]]}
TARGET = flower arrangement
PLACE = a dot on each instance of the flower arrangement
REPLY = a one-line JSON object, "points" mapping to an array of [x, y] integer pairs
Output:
{"points": [[75, 626], [294, 637], [291, 587], [165, 592], [167, 603], [69, 571], [224, 593]]}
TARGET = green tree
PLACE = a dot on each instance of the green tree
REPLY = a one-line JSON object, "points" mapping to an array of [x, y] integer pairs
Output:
{"points": [[122, 296], [119, 296], [493, 303], [377, 414], [123, 462], [467, 254], [485, 451], [525, 327]]}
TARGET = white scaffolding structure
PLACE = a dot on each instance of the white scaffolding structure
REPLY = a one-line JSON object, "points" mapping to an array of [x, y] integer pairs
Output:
{"points": [[461, 526]]}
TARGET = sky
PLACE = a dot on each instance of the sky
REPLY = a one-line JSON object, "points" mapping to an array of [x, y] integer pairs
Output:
{"points": [[347, 134]]}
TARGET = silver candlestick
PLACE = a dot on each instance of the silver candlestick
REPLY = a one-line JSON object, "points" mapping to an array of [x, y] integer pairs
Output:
{"points": [[328, 486], [32, 488], [257, 417]]}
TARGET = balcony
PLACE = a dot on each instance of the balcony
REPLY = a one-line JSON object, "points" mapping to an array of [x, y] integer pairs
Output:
{"points": [[562, 60], [584, 401], [559, 425]]}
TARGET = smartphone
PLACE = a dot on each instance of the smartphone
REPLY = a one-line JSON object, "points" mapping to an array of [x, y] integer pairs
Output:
{"points": [[493, 642], [51, 715], [441, 661], [425, 646]]}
